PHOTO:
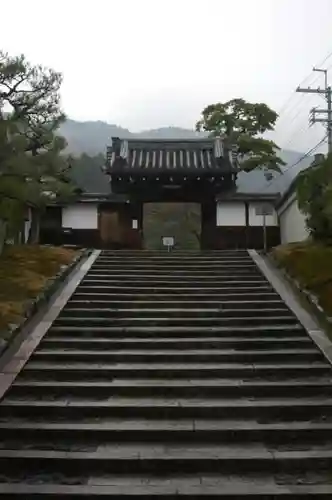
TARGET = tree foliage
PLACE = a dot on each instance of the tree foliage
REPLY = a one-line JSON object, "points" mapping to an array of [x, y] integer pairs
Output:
{"points": [[241, 125], [314, 193], [33, 168]]}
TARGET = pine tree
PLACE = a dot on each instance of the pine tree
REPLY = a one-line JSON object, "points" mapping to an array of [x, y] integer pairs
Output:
{"points": [[33, 168]]}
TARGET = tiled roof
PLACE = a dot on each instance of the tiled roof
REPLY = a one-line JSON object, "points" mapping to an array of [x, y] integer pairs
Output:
{"points": [[167, 155]]}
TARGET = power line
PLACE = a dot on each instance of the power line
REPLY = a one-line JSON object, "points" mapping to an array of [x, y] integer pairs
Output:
{"points": [[316, 114], [295, 125], [296, 132], [299, 112], [303, 157], [284, 114], [308, 153], [324, 61], [291, 97], [321, 115], [282, 111], [285, 105], [327, 92]]}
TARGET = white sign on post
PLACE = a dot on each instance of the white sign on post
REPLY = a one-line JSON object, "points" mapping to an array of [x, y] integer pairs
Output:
{"points": [[168, 241], [266, 210]]}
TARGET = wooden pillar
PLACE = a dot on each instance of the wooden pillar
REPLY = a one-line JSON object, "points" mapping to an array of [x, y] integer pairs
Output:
{"points": [[247, 228], [209, 226]]}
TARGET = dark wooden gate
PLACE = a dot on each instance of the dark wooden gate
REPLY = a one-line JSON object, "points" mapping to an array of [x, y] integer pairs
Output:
{"points": [[180, 220]]}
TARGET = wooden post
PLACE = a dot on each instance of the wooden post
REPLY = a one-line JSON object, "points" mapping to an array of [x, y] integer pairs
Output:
{"points": [[247, 228], [264, 233]]}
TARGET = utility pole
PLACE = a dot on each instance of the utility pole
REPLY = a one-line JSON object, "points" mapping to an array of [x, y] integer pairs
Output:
{"points": [[321, 115]]}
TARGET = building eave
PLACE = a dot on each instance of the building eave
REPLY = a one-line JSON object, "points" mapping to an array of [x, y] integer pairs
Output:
{"points": [[91, 198], [268, 197]]}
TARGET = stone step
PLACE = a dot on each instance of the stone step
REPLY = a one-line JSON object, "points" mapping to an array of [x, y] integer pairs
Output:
{"points": [[173, 370], [166, 459], [220, 311], [208, 258], [191, 431], [146, 256], [172, 389], [163, 459], [247, 291], [167, 295], [191, 356], [152, 303], [180, 331], [176, 264], [178, 274], [173, 281], [202, 322], [262, 409], [173, 261], [161, 252], [172, 488], [91, 342], [146, 266], [187, 252], [188, 278], [171, 257]]}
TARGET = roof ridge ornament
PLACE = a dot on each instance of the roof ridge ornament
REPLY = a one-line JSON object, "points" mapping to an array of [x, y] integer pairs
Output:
{"points": [[124, 150], [119, 148], [116, 146], [218, 147]]}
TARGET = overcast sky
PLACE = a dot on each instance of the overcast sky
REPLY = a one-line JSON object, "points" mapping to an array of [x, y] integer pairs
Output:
{"points": [[150, 63]]}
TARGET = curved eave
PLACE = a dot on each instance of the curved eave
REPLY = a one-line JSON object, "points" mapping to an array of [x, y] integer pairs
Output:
{"points": [[153, 172]]}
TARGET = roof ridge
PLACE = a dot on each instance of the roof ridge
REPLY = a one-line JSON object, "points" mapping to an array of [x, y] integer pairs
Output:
{"points": [[158, 140]]}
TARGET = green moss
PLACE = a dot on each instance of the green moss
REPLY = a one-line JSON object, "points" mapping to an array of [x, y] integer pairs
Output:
{"points": [[24, 272], [311, 265]]}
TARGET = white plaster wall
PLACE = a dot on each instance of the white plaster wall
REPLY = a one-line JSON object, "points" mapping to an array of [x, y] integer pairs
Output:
{"points": [[292, 222], [257, 220], [231, 214], [80, 216]]}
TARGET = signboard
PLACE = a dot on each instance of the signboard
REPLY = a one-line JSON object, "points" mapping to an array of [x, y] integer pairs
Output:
{"points": [[266, 210], [168, 241]]}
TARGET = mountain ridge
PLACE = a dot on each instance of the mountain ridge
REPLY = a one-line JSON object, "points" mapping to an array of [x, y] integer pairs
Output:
{"points": [[92, 137]]}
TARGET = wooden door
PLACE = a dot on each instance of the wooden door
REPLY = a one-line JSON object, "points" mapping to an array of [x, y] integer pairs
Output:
{"points": [[110, 229]]}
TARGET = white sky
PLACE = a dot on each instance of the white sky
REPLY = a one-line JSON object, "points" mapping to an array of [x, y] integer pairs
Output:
{"points": [[150, 63]]}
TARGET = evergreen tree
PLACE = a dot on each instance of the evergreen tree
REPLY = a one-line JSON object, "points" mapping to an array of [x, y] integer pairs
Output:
{"points": [[33, 168]]}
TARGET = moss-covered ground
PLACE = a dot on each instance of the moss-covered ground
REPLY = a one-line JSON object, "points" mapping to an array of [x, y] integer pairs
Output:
{"points": [[24, 272], [311, 265]]}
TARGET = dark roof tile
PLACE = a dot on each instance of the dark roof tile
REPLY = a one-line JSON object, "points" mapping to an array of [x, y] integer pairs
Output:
{"points": [[168, 155]]}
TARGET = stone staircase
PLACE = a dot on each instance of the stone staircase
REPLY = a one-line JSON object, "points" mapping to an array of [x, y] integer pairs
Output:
{"points": [[167, 376]]}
